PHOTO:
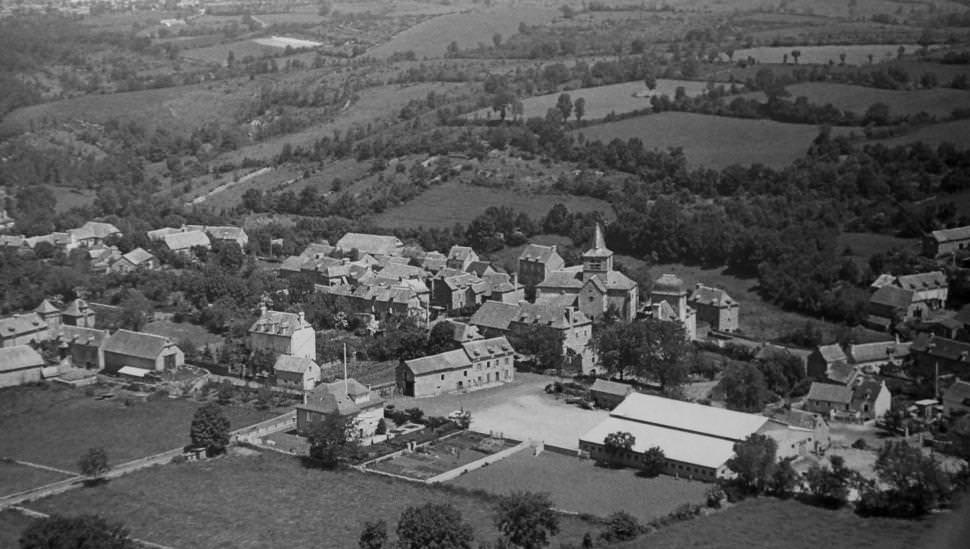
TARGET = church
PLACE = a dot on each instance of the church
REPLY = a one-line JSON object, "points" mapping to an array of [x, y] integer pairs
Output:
{"points": [[594, 287]]}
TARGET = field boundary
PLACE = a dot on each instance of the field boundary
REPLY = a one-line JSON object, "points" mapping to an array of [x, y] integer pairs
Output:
{"points": [[479, 463]]}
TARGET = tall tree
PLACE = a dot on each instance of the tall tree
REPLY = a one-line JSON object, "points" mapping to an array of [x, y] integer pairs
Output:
{"points": [[579, 108], [648, 349], [94, 463], [744, 387], [754, 462], [332, 439], [526, 519], [565, 105], [374, 535], [433, 525], [210, 429]]}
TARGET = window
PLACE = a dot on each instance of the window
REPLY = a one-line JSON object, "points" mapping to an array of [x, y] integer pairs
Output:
{"points": [[442, 377], [466, 373]]}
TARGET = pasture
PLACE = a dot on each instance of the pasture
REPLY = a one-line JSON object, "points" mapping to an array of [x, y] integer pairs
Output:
{"points": [[275, 503], [938, 102], [580, 486], [432, 37], [933, 135], [855, 54], [15, 477], [714, 141], [452, 202], [603, 100], [767, 523], [53, 425], [255, 48], [12, 523]]}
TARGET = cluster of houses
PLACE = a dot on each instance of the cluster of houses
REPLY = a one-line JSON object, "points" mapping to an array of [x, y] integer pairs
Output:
{"points": [[79, 344]]}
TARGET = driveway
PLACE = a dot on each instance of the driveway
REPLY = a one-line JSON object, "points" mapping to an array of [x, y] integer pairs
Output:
{"points": [[519, 410]]}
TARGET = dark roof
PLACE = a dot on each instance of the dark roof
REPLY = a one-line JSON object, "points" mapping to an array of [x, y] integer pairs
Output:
{"points": [[942, 347], [713, 297], [495, 315], [828, 392], [279, 323], [840, 372], [15, 325], [82, 336], [959, 391], [78, 308], [486, 348], [19, 357], [897, 298], [922, 281], [795, 417], [563, 279], [441, 362], [137, 344], [599, 248], [293, 364], [548, 314], [46, 307], [538, 253], [831, 353]]}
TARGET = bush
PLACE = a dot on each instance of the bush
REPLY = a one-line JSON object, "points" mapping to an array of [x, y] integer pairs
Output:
{"points": [[158, 395], [715, 497], [686, 511], [415, 415], [381, 427], [860, 444], [179, 459], [621, 526], [654, 461]]}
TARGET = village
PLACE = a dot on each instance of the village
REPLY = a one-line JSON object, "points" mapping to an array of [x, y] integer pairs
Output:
{"points": [[520, 365]]}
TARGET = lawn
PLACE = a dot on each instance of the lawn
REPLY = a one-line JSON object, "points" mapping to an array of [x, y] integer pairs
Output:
{"points": [[432, 37], [714, 141], [954, 132], [579, 486], [938, 102], [15, 477], [603, 100], [53, 425], [265, 501], [770, 523], [183, 331], [444, 205]]}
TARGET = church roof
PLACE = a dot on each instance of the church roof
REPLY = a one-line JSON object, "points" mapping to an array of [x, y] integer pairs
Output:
{"points": [[599, 248]]}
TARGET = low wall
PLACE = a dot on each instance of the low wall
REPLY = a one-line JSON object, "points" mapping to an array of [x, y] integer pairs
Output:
{"points": [[478, 464]]}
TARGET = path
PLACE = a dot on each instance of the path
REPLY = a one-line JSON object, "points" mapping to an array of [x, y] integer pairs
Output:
{"points": [[230, 184], [45, 467]]}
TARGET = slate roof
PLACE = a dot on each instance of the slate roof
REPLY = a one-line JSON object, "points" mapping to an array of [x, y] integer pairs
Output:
{"points": [[226, 232], [186, 240], [293, 364], [441, 362], [294, 263], [615, 280], [160, 234], [599, 248], [713, 297], [538, 253], [549, 315], [668, 283], [959, 391], [562, 279], [137, 344], [483, 349], [795, 417], [495, 315], [19, 324], [841, 372], [80, 335], [433, 261], [19, 357], [94, 229], [880, 350], [882, 280], [460, 253], [402, 271], [279, 323], [46, 307], [957, 233], [828, 392], [370, 244], [481, 268], [77, 308], [317, 249], [922, 281], [832, 353], [138, 256], [341, 398], [611, 387], [891, 296]]}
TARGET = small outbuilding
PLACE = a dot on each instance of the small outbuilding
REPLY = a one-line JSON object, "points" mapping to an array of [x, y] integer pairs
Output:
{"points": [[609, 394]]}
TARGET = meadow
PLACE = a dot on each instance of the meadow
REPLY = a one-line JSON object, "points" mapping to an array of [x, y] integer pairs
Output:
{"points": [[15, 477], [12, 523], [933, 135], [603, 100], [767, 523], [938, 102], [275, 503], [452, 202], [53, 425], [432, 37], [579, 486], [714, 141], [219, 53]]}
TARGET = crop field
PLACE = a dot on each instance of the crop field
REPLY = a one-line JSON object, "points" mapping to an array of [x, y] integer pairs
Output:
{"points": [[432, 37], [453, 202], [283, 42], [274, 502], [603, 100], [579, 486], [855, 54], [714, 141], [767, 523], [955, 132], [938, 102], [52, 425]]}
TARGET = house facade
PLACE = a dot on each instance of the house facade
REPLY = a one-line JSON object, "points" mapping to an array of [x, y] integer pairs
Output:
{"points": [[23, 329], [283, 334], [141, 350], [460, 258], [139, 258], [85, 346], [346, 398], [478, 364], [669, 290], [930, 291], [296, 372], [715, 307], [946, 241], [536, 262]]}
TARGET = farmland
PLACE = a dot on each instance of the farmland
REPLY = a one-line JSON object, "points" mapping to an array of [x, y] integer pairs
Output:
{"points": [[15, 477], [431, 38], [713, 141], [954, 132], [36, 419], [757, 523], [603, 100], [580, 486], [855, 54], [275, 502], [453, 202], [938, 102]]}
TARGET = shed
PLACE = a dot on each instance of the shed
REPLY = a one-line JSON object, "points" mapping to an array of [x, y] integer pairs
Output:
{"points": [[609, 394]]}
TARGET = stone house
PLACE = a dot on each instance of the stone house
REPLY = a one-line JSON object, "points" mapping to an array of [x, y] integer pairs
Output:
{"points": [[946, 241], [930, 291], [829, 399], [85, 346], [78, 313], [283, 334], [184, 242], [609, 394], [139, 258], [889, 305], [140, 350], [956, 399], [536, 263], [828, 362], [93, 233], [460, 257], [20, 364], [932, 354], [296, 372], [344, 398], [23, 329], [669, 290], [454, 293], [715, 307], [478, 364]]}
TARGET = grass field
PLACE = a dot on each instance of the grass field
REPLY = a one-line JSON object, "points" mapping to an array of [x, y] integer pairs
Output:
{"points": [[453, 202], [53, 426], [821, 55], [432, 37], [580, 486], [714, 141], [219, 53], [954, 132], [938, 102], [770, 523], [603, 100], [15, 477], [181, 331], [265, 501], [12, 524]]}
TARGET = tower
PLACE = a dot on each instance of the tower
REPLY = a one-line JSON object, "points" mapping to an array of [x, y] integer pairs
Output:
{"points": [[670, 288], [597, 260]]}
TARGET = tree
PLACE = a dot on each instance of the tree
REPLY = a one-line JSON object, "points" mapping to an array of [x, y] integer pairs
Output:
{"points": [[912, 476], [579, 108], [654, 461], [650, 80], [374, 535], [567, 11], [565, 105], [877, 113], [795, 54], [621, 526], [94, 463], [497, 39], [648, 348], [136, 310], [744, 387], [230, 59], [81, 532], [441, 339], [754, 462], [900, 52], [526, 519], [433, 525], [637, 46], [784, 479], [619, 441], [842, 59], [210, 429], [324, 8], [332, 439], [829, 487], [543, 344]]}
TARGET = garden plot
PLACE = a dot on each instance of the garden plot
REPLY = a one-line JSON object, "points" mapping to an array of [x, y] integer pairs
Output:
{"points": [[442, 456]]}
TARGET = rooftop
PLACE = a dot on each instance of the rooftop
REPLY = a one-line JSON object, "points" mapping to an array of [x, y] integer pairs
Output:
{"points": [[19, 357], [957, 233], [279, 323], [138, 344], [828, 392], [683, 446], [687, 416], [538, 253], [441, 362]]}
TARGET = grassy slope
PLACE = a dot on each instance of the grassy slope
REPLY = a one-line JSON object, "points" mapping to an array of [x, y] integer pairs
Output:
{"points": [[263, 501], [938, 102], [15, 478], [933, 135], [713, 141], [53, 426], [582, 487]]}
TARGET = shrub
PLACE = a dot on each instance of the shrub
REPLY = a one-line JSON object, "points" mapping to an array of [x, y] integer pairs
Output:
{"points": [[715, 497], [415, 414], [860, 444], [654, 461], [179, 459], [621, 526], [381, 427]]}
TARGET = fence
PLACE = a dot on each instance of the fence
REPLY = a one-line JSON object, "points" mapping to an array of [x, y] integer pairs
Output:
{"points": [[274, 425]]}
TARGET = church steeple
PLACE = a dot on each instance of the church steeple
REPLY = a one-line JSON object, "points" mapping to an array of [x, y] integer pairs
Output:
{"points": [[598, 259]]}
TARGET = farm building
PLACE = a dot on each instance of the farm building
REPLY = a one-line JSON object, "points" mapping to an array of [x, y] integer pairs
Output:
{"points": [[85, 346], [609, 394], [78, 313], [828, 362], [142, 351], [888, 306], [284, 334], [139, 258], [372, 244], [715, 307], [536, 263], [20, 364], [956, 399], [930, 290], [184, 242], [345, 398], [21, 329], [478, 364], [864, 399], [941, 355], [697, 440], [946, 241], [296, 372], [461, 257], [93, 233]]}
